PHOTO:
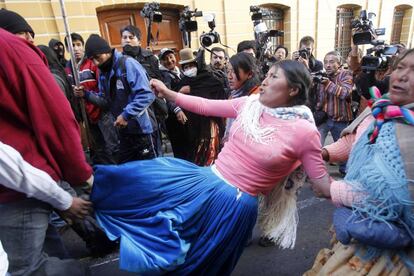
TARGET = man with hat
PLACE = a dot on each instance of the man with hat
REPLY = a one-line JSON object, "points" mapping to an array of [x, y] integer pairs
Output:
{"points": [[123, 90], [203, 133], [59, 49]]}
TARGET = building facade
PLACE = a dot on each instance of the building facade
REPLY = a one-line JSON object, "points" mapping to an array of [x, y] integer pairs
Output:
{"points": [[328, 21]]}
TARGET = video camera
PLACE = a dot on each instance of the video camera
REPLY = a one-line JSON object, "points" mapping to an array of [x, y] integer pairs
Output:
{"points": [[261, 34], [319, 76], [365, 33], [378, 57], [152, 12], [187, 25], [207, 39]]}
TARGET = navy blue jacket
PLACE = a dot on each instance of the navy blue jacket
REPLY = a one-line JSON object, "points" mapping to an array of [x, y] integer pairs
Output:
{"points": [[132, 102]]}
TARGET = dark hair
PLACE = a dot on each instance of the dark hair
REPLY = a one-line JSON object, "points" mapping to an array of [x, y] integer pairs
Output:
{"points": [[245, 62], [74, 36], [306, 40], [245, 45], [297, 76], [217, 49], [282, 47], [133, 30]]}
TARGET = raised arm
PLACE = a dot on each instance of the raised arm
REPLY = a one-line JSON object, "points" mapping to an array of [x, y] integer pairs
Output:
{"points": [[216, 108]]}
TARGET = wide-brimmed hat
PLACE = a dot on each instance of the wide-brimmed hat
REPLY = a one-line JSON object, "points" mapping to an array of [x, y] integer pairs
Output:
{"points": [[186, 56], [165, 51]]}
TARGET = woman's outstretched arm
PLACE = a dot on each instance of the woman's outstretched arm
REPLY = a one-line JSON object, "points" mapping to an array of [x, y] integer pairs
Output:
{"points": [[215, 108]]}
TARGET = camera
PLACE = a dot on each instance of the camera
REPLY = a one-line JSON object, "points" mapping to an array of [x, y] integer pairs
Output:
{"points": [[152, 11], [319, 76], [378, 57], [304, 53], [185, 22], [365, 33], [207, 39], [261, 33]]}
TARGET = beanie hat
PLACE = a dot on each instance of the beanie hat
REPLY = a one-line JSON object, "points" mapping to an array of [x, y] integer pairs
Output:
{"points": [[96, 45], [14, 22]]}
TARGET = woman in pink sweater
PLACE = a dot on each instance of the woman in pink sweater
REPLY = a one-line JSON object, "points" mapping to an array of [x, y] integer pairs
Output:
{"points": [[173, 216]]}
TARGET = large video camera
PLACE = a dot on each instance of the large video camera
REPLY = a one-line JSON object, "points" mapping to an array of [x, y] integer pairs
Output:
{"points": [[207, 39], [378, 57], [152, 12], [364, 31], [187, 25]]}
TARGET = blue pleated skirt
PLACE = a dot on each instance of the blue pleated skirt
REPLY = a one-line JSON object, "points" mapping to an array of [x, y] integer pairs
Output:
{"points": [[173, 217]]}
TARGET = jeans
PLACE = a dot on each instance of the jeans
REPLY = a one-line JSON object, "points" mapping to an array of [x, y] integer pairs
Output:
{"points": [[335, 128], [23, 226]]}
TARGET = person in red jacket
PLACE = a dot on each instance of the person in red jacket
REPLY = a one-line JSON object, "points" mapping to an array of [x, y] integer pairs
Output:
{"points": [[40, 125], [103, 133]]}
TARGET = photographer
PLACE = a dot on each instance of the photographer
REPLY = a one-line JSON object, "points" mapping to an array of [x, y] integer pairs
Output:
{"points": [[334, 97], [305, 54]]}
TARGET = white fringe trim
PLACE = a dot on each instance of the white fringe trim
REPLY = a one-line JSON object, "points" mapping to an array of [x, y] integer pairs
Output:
{"points": [[278, 215]]}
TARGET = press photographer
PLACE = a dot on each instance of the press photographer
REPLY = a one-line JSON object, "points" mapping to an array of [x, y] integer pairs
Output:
{"points": [[305, 54]]}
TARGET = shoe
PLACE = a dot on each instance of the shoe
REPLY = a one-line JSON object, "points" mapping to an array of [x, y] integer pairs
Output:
{"points": [[266, 242]]}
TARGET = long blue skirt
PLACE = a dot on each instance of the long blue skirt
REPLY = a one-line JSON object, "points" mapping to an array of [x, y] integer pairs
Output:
{"points": [[173, 217]]}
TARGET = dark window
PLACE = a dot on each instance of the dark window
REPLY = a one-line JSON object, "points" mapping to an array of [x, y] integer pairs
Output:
{"points": [[397, 26], [273, 19], [343, 33]]}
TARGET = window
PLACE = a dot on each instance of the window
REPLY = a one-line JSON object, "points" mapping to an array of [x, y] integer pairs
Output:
{"points": [[273, 18], [343, 33]]}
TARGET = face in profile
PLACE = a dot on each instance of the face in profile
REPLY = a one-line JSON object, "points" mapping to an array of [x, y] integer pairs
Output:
{"points": [[100, 59], [275, 90], [234, 81], [402, 81]]}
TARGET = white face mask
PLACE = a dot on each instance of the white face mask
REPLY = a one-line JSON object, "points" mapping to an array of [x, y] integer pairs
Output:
{"points": [[192, 72]]}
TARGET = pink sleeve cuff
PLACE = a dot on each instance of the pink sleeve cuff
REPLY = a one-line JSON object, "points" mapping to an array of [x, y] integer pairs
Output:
{"points": [[339, 151], [343, 194]]}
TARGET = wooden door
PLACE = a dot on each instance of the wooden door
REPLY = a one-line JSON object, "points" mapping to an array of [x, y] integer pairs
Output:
{"points": [[167, 33]]}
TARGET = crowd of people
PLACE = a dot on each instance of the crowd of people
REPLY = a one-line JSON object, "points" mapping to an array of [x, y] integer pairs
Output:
{"points": [[238, 130]]}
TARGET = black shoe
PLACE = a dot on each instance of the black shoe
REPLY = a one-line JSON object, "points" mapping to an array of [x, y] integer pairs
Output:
{"points": [[266, 242]]}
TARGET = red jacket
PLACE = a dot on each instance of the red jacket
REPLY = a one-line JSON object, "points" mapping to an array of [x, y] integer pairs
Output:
{"points": [[88, 75], [35, 119]]}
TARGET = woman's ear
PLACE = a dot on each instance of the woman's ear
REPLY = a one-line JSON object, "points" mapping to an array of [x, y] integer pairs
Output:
{"points": [[293, 91]]}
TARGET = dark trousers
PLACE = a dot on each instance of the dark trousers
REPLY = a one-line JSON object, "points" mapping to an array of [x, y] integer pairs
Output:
{"points": [[135, 147]]}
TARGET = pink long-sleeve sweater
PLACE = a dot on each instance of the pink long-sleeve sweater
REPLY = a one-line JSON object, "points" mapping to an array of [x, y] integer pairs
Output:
{"points": [[341, 192], [253, 167]]}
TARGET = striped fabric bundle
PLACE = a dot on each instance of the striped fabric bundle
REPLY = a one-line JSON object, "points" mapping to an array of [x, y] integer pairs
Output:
{"points": [[384, 110]]}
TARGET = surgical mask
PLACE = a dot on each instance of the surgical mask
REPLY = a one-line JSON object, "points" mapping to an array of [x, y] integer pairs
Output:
{"points": [[191, 73]]}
